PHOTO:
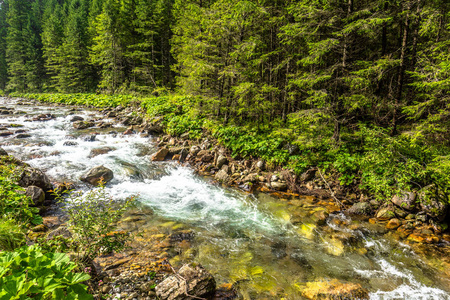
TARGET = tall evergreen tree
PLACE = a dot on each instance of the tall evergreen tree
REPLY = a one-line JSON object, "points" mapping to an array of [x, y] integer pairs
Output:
{"points": [[3, 32]]}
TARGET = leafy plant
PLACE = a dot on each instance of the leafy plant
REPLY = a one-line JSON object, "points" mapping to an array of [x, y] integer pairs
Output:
{"points": [[30, 273], [92, 219], [15, 204], [11, 235]]}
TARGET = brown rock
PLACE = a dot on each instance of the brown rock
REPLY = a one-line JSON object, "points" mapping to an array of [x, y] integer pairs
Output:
{"points": [[405, 201], [82, 124], [97, 174], [192, 279], [160, 155], [393, 224], [334, 289], [99, 151]]}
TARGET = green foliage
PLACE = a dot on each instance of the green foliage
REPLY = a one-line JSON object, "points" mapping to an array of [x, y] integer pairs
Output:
{"points": [[92, 218], [15, 204], [30, 273], [11, 235]]}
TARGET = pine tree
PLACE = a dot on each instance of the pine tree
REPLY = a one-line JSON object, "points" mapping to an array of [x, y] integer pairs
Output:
{"points": [[3, 32]]}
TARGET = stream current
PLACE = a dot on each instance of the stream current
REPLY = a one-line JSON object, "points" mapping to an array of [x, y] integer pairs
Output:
{"points": [[270, 247]]}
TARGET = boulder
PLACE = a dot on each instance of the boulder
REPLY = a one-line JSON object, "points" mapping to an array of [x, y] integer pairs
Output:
{"points": [[36, 194], [221, 160], [98, 151], [191, 280], [221, 176], [3, 152], [334, 289], [35, 177], [82, 124], [160, 155], [76, 118], [406, 200], [360, 208], [433, 202], [96, 174]]}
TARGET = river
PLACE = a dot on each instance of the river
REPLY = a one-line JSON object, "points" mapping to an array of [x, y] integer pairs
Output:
{"points": [[271, 247]]}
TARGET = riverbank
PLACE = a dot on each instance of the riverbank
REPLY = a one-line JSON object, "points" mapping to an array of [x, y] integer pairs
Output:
{"points": [[207, 166], [374, 180]]}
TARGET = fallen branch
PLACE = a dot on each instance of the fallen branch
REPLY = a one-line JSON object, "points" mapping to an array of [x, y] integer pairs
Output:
{"points": [[339, 203]]}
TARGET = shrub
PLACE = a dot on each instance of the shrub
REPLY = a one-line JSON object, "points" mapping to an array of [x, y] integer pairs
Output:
{"points": [[92, 219]]}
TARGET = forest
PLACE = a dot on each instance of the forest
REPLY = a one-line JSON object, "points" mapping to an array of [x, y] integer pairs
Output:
{"points": [[358, 87]]}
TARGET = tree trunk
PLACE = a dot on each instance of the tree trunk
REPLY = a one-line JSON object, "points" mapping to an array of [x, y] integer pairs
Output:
{"points": [[401, 71]]}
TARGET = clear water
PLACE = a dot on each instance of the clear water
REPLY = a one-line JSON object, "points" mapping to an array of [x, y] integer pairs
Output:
{"points": [[268, 247]]}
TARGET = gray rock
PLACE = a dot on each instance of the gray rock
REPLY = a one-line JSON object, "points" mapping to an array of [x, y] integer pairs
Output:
{"points": [[278, 185], [76, 118], [96, 174], [70, 143], [221, 176], [31, 176], [433, 202], [221, 160], [36, 194], [23, 136], [406, 200], [3, 152], [360, 208], [192, 279]]}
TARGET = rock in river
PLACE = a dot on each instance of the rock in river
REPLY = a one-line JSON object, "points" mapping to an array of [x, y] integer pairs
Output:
{"points": [[96, 174], [194, 280]]}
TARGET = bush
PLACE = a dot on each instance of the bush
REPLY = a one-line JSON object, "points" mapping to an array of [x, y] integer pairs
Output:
{"points": [[14, 203], [92, 219], [30, 273]]}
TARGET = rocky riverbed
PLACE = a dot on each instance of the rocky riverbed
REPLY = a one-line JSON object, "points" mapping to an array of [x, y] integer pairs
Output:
{"points": [[272, 235]]}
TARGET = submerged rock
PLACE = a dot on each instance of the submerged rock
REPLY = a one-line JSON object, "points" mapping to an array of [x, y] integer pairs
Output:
{"points": [[191, 279], [334, 289], [96, 174]]}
